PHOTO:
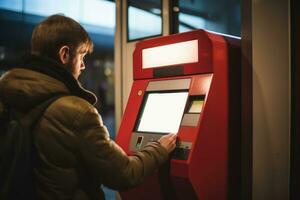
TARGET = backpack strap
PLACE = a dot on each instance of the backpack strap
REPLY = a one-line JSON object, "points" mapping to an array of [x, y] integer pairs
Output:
{"points": [[35, 115]]}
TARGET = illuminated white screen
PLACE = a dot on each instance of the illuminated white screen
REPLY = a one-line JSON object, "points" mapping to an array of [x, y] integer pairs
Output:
{"points": [[163, 112], [172, 54]]}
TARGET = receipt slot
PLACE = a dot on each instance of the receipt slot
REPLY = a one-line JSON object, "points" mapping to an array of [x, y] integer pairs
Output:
{"points": [[189, 84]]}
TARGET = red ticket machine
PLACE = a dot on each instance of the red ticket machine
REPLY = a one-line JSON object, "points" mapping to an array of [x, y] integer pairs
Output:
{"points": [[188, 84]]}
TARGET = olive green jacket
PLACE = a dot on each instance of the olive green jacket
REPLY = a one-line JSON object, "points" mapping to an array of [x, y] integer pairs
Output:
{"points": [[75, 154]]}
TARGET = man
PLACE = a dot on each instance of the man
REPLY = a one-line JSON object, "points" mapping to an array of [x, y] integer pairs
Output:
{"points": [[73, 150]]}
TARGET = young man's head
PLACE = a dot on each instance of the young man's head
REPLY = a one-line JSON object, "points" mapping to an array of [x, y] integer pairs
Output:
{"points": [[63, 39]]}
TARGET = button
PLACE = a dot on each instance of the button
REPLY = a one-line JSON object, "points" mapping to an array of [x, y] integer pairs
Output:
{"points": [[140, 92], [180, 153]]}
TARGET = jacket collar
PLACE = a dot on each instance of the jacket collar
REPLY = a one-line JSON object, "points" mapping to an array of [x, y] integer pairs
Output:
{"points": [[56, 70]]}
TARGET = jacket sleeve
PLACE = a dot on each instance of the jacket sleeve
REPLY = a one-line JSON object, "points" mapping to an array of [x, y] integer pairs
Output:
{"points": [[106, 162]]}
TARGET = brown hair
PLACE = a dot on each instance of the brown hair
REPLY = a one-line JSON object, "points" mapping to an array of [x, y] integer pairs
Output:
{"points": [[57, 31]]}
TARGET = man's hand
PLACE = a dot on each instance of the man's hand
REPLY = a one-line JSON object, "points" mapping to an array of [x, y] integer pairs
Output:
{"points": [[168, 142]]}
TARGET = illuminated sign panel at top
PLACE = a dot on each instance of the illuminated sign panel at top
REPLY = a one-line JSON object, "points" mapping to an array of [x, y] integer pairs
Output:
{"points": [[172, 54]]}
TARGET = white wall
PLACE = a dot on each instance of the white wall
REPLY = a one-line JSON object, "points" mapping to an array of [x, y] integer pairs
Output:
{"points": [[271, 99]]}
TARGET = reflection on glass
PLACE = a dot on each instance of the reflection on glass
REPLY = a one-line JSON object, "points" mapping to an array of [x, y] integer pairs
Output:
{"points": [[220, 16], [144, 19], [190, 22], [13, 5], [99, 13], [46, 8]]}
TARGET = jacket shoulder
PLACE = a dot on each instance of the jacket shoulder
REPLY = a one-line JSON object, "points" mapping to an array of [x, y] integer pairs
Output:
{"points": [[73, 103], [69, 109]]}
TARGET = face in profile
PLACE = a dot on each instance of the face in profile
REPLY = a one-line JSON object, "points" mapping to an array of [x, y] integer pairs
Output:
{"points": [[75, 63]]}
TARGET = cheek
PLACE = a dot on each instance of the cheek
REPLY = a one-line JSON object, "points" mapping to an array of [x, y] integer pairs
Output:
{"points": [[76, 64], [73, 66]]}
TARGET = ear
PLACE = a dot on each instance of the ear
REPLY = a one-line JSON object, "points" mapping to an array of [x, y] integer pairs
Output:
{"points": [[64, 54]]}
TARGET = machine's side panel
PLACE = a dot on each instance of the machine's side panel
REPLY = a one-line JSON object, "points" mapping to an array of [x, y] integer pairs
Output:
{"points": [[131, 112], [209, 161]]}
